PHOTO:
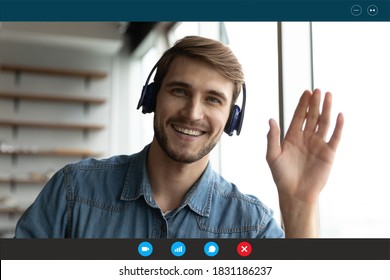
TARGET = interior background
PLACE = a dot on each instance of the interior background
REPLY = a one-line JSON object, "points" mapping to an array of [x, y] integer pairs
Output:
{"points": [[280, 60]]}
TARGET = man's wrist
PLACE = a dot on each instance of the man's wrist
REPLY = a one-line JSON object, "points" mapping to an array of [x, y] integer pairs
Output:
{"points": [[300, 218]]}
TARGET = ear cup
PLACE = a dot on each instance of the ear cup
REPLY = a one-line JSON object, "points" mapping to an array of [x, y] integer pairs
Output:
{"points": [[148, 99], [234, 121], [148, 95]]}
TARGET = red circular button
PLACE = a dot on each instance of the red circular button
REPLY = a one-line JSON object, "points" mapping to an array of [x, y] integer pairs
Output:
{"points": [[244, 249]]}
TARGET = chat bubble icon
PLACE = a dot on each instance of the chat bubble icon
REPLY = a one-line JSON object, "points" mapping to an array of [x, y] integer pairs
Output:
{"points": [[211, 249]]}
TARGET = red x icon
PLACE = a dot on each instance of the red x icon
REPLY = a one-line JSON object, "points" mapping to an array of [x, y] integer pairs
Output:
{"points": [[244, 249]]}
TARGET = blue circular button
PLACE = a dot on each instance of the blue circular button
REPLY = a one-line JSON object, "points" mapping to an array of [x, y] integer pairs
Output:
{"points": [[211, 249], [178, 249], [372, 10], [356, 10], [145, 249]]}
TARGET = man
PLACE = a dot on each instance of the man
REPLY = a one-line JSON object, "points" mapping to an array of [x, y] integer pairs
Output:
{"points": [[169, 189]]}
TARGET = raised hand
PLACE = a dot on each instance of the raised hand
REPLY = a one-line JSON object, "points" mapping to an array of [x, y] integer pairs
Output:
{"points": [[301, 164]]}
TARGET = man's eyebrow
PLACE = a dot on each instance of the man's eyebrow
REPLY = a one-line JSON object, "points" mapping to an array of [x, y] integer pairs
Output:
{"points": [[178, 83]]}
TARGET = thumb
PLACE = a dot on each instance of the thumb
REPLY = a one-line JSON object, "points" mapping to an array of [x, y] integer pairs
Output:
{"points": [[273, 146]]}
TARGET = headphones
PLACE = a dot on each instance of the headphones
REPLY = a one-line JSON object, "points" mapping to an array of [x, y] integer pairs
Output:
{"points": [[148, 103]]}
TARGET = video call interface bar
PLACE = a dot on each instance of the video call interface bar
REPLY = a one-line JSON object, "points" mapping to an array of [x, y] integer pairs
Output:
{"points": [[188, 10], [195, 249]]}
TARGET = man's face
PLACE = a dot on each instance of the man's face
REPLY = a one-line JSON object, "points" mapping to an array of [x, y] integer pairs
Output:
{"points": [[192, 108]]}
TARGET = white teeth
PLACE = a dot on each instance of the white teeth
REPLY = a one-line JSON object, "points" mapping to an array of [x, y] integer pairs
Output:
{"points": [[188, 131]]}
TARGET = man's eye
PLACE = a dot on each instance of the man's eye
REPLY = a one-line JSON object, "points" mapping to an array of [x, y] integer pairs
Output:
{"points": [[214, 100], [179, 91]]}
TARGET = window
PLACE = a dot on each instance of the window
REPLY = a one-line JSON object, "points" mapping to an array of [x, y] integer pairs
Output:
{"points": [[353, 61]]}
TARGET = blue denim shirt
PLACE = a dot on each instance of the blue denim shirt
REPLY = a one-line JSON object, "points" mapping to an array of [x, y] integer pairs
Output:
{"points": [[112, 198]]}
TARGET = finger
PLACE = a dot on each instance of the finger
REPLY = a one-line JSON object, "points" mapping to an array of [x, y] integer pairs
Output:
{"points": [[300, 112], [273, 144], [336, 136], [313, 113], [324, 122]]}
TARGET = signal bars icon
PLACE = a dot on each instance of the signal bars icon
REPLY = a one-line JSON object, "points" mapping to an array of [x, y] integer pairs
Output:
{"points": [[178, 249]]}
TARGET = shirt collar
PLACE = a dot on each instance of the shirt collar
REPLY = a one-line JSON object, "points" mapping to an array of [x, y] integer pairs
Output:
{"points": [[137, 184], [200, 195]]}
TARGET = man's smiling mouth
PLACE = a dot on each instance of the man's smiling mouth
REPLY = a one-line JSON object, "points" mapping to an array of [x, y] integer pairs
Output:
{"points": [[186, 131]]}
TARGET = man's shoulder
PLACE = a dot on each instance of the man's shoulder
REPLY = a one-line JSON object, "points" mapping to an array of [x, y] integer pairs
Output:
{"points": [[116, 161], [110, 163], [232, 213], [229, 193]]}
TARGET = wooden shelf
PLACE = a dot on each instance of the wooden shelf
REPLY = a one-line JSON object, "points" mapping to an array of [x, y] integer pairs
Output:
{"points": [[51, 98], [55, 152], [31, 124], [11, 210], [53, 71], [15, 153], [15, 180]]}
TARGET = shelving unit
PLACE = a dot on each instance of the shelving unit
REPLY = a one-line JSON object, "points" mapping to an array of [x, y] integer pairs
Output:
{"points": [[39, 179], [12, 210], [16, 180], [51, 98], [85, 98], [52, 71], [54, 152], [15, 124], [31, 124]]}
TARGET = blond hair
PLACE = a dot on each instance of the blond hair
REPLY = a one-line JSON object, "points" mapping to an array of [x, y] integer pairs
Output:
{"points": [[210, 51]]}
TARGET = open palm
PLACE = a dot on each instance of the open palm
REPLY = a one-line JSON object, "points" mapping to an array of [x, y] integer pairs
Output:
{"points": [[301, 164]]}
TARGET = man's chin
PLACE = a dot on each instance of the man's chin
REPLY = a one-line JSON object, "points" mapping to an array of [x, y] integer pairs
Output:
{"points": [[184, 157]]}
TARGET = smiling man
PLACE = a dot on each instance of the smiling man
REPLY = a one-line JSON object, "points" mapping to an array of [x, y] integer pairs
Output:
{"points": [[193, 106], [169, 190]]}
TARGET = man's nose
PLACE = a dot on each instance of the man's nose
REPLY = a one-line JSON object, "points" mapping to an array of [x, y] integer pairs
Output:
{"points": [[193, 109]]}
